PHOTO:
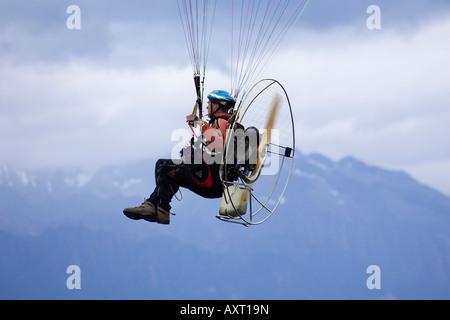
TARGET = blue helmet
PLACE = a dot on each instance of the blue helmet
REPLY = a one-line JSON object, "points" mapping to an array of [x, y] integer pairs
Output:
{"points": [[223, 98]]}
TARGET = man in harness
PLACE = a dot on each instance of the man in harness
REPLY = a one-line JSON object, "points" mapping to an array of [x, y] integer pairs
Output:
{"points": [[198, 175]]}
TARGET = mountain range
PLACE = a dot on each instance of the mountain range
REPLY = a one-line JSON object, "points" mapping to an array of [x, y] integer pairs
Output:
{"points": [[337, 218]]}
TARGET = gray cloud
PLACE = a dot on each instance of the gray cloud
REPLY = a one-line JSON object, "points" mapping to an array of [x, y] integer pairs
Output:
{"points": [[381, 97], [115, 90]]}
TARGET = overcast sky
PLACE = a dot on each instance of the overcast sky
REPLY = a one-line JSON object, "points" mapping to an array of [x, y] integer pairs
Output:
{"points": [[115, 90]]}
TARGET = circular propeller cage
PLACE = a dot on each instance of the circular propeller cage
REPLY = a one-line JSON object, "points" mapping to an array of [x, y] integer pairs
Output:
{"points": [[258, 155]]}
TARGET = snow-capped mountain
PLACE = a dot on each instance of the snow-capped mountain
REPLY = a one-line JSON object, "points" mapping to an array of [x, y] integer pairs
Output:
{"points": [[336, 219]]}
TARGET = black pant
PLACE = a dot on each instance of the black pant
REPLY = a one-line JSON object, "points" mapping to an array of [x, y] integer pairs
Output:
{"points": [[202, 179]]}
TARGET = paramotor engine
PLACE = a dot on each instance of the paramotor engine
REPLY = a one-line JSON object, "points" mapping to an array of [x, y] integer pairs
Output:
{"points": [[257, 163]]}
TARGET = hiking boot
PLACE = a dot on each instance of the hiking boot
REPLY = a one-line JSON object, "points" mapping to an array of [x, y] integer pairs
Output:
{"points": [[146, 211], [162, 216]]}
